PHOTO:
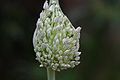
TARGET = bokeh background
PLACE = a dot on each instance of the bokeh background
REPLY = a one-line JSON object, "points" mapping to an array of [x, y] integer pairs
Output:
{"points": [[100, 39]]}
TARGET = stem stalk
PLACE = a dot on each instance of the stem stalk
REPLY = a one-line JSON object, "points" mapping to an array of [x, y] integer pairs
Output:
{"points": [[50, 74]]}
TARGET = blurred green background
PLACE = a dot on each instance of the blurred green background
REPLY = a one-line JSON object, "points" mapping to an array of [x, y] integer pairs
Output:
{"points": [[100, 39]]}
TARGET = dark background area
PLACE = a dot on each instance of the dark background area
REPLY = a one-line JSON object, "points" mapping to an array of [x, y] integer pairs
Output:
{"points": [[100, 39]]}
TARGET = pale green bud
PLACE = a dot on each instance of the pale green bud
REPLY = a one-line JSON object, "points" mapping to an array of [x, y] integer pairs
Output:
{"points": [[55, 40]]}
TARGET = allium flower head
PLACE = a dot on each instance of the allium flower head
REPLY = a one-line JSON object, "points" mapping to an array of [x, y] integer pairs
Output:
{"points": [[55, 40]]}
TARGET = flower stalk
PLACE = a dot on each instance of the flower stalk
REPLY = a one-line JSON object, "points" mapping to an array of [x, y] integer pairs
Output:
{"points": [[50, 74]]}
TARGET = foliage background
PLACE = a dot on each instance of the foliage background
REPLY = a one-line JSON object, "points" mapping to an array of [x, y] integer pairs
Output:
{"points": [[100, 39]]}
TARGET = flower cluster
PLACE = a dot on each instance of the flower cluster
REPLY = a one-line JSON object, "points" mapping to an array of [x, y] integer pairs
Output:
{"points": [[55, 40]]}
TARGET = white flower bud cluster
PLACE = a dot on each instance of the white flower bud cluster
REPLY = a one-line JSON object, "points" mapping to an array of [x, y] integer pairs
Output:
{"points": [[55, 40]]}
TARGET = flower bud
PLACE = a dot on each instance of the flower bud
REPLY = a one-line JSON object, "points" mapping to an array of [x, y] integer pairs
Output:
{"points": [[55, 40]]}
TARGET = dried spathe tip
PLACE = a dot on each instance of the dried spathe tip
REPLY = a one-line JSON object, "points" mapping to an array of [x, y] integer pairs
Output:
{"points": [[46, 6]]}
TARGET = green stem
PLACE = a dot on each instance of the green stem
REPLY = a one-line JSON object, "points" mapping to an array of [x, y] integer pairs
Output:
{"points": [[50, 74]]}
